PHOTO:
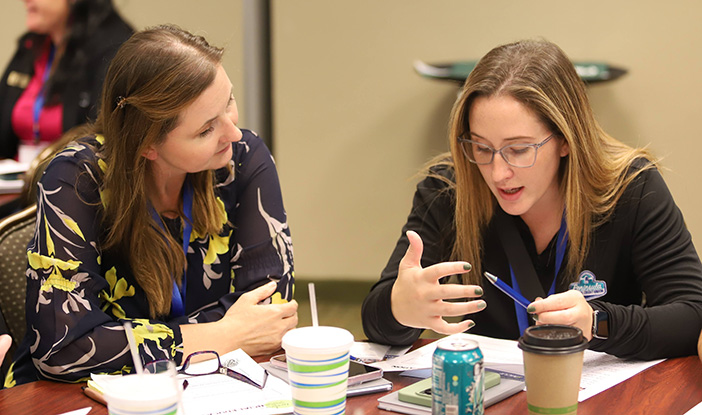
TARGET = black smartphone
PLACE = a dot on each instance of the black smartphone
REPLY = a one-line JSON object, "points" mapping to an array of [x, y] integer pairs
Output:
{"points": [[358, 373]]}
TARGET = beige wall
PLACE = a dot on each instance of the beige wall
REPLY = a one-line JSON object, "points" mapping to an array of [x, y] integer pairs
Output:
{"points": [[11, 28], [218, 21], [353, 122]]}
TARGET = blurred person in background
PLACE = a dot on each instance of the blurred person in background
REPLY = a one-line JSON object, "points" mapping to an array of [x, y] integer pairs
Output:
{"points": [[54, 79]]}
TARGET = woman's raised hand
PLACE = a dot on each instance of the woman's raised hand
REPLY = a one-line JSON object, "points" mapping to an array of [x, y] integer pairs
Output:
{"points": [[418, 299]]}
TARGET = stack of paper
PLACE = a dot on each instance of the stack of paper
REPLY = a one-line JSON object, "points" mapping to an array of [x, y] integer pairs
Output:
{"points": [[10, 172]]}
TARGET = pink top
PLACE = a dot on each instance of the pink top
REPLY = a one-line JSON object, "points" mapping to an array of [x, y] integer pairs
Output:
{"points": [[50, 117]]}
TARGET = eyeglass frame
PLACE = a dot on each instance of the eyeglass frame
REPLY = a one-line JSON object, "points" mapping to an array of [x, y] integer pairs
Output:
{"points": [[221, 369], [536, 148]]}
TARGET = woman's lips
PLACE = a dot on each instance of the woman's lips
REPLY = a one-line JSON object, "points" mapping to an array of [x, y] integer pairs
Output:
{"points": [[510, 193]]}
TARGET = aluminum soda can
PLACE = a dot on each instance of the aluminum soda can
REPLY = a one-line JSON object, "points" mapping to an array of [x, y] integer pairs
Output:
{"points": [[457, 385]]}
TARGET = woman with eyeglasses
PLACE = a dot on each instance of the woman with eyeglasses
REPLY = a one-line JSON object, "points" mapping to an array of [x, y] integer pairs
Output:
{"points": [[163, 213], [535, 193]]}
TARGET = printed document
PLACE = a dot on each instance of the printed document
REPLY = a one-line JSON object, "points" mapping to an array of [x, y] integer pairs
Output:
{"points": [[600, 370]]}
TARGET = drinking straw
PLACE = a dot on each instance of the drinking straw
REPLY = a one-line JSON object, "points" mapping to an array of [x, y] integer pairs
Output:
{"points": [[133, 348], [313, 304]]}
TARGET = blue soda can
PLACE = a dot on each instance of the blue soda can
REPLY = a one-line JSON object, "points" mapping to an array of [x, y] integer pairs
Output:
{"points": [[457, 385]]}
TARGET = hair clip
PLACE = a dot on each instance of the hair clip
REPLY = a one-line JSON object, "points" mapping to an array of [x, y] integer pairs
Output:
{"points": [[121, 102]]}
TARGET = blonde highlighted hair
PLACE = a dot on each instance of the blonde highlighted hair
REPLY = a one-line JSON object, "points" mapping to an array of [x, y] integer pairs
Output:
{"points": [[592, 177]]}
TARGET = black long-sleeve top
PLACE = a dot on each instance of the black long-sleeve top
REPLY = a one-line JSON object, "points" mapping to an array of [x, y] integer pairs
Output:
{"points": [[644, 253]]}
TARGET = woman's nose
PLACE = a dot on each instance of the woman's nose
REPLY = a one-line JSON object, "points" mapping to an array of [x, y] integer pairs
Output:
{"points": [[501, 170], [233, 133], [236, 136]]}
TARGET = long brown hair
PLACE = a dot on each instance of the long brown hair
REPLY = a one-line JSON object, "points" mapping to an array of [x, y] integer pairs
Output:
{"points": [[153, 77], [593, 176]]}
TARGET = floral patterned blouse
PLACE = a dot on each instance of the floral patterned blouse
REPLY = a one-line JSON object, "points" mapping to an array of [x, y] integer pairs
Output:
{"points": [[79, 295]]}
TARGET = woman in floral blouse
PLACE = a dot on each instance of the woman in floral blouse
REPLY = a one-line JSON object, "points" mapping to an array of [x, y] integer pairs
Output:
{"points": [[163, 182]]}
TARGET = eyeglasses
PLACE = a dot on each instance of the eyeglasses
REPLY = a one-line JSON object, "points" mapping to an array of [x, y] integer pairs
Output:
{"points": [[516, 155], [210, 365]]}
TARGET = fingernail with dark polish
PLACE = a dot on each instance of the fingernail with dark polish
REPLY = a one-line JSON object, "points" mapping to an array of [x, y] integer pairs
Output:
{"points": [[471, 325], [478, 291], [535, 317], [467, 267], [482, 305], [531, 309]]}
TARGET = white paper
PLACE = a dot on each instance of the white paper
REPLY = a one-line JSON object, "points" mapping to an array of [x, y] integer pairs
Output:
{"points": [[83, 411], [9, 180], [600, 370], [11, 186], [10, 166], [494, 351], [367, 352], [696, 410], [221, 394]]}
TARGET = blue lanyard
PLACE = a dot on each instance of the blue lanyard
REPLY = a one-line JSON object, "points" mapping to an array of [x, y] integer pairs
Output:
{"points": [[178, 296], [561, 242], [41, 97]]}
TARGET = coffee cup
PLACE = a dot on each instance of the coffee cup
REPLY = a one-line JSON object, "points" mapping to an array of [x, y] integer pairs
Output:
{"points": [[553, 362], [149, 393], [318, 368]]}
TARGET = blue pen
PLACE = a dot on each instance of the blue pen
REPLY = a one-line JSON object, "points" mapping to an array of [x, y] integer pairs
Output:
{"points": [[507, 290]]}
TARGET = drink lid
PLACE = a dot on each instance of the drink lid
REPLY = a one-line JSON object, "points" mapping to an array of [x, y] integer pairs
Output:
{"points": [[552, 339], [318, 339]]}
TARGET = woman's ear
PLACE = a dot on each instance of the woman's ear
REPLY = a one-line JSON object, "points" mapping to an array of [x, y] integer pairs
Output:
{"points": [[565, 148], [150, 153]]}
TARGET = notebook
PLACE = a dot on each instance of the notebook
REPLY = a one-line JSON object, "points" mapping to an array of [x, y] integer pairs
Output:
{"points": [[506, 387]]}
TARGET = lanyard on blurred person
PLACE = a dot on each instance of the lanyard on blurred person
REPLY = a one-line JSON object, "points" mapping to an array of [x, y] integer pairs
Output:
{"points": [[178, 296], [41, 97], [520, 260]]}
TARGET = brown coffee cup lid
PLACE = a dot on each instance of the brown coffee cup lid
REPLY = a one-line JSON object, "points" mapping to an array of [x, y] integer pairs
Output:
{"points": [[552, 339]]}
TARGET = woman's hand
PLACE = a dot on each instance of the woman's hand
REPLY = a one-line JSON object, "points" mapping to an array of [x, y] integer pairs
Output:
{"points": [[418, 299], [254, 327], [257, 328], [569, 308], [5, 343]]}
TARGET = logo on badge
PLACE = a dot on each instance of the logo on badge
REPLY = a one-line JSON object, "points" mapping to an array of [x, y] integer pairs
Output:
{"points": [[590, 287]]}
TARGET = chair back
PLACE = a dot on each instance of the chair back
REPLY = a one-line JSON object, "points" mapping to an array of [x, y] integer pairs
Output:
{"points": [[15, 233]]}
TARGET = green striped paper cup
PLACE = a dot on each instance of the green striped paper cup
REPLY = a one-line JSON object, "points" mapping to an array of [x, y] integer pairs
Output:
{"points": [[318, 369]]}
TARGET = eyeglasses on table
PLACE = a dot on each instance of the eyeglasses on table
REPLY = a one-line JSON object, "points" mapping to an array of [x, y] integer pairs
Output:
{"points": [[209, 365]]}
